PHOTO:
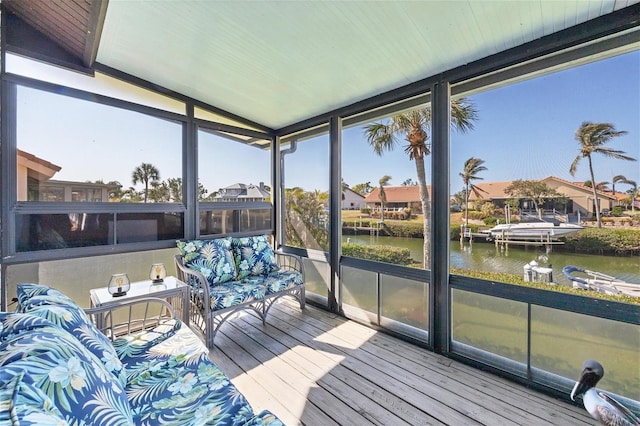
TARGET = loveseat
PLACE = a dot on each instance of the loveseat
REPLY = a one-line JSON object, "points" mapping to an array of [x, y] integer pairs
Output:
{"points": [[227, 275], [57, 368]]}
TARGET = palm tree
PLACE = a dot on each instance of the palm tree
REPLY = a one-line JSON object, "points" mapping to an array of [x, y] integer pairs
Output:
{"points": [[472, 167], [130, 195], [616, 179], [414, 126], [384, 181], [592, 137], [633, 192], [600, 186], [144, 173]]}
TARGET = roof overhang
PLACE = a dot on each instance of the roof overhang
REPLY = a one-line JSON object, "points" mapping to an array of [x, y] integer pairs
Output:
{"points": [[279, 63]]}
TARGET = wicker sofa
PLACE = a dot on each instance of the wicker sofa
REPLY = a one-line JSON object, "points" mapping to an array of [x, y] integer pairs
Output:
{"points": [[57, 368], [227, 275]]}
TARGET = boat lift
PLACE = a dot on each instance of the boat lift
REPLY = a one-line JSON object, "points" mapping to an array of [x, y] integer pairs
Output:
{"points": [[533, 273]]}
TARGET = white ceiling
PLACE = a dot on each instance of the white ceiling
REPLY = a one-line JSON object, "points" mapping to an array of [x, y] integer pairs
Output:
{"points": [[279, 62]]}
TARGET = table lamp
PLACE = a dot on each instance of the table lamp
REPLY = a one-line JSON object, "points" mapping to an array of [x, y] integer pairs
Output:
{"points": [[158, 273], [119, 285]]}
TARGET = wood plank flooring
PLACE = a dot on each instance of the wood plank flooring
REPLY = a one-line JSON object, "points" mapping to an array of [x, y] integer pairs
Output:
{"points": [[314, 368]]}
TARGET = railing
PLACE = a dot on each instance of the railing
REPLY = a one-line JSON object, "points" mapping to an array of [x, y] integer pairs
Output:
{"points": [[547, 215], [533, 336], [542, 336]]}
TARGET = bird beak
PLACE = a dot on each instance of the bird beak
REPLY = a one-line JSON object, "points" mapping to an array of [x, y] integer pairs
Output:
{"points": [[579, 388]]}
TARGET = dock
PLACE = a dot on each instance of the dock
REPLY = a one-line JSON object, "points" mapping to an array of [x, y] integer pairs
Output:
{"points": [[503, 241], [371, 230], [466, 233]]}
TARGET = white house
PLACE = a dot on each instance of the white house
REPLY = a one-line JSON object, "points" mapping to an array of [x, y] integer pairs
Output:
{"points": [[243, 192], [351, 200]]}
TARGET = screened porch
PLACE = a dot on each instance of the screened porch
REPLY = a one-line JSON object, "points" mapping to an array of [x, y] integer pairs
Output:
{"points": [[129, 125]]}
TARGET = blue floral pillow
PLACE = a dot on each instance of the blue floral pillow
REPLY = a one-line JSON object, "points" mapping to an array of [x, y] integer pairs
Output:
{"points": [[52, 360], [24, 404], [26, 291], [49, 303], [253, 256], [212, 258]]}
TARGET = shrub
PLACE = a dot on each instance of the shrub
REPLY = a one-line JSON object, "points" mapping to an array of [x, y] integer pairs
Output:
{"points": [[490, 221], [604, 241], [365, 210], [488, 209], [353, 223], [517, 279], [380, 253], [473, 214], [404, 229], [617, 211]]}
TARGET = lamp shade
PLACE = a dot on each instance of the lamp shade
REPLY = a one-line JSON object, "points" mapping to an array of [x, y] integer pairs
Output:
{"points": [[119, 285], [158, 273]]}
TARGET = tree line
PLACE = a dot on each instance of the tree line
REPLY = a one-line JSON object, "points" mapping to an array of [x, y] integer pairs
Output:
{"points": [[155, 190]]}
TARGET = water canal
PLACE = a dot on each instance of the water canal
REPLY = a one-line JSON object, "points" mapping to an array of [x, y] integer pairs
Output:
{"points": [[486, 257]]}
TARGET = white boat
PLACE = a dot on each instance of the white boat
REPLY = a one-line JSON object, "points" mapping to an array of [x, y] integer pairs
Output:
{"points": [[599, 282], [532, 231]]}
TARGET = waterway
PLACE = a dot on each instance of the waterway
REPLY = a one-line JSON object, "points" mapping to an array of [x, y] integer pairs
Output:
{"points": [[486, 257]]}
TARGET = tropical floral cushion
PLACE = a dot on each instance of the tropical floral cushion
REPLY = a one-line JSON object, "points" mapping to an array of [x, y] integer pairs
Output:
{"points": [[212, 258], [264, 418], [25, 404], [235, 293], [175, 391], [48, 377], [26, 291], [277, 281], [54, 361], [140, 344], [253, 256], [183, 343], [51, 304], [174, 382]]}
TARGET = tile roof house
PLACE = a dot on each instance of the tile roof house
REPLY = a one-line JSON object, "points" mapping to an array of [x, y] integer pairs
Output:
{"points": [[397, 197], [581, 196]]}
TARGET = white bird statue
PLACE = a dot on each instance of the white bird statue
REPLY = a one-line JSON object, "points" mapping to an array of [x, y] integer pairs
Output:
{"points": [[601, 406]]}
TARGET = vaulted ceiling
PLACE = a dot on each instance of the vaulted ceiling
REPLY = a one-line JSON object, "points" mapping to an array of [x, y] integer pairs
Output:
{"points": [[277, 63]]}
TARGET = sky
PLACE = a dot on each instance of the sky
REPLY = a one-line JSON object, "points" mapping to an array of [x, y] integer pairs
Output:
{"points": [[523, 131]]}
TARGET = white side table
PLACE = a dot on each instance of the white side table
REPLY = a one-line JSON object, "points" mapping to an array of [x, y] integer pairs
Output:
{"points": [[173, 290]]}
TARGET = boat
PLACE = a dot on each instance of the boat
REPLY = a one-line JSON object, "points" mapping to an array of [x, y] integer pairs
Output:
{"points": [[532, 231], [599, 282]]}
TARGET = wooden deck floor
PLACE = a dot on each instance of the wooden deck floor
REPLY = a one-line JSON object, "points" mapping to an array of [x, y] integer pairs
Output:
{"points": [[315, 368]]}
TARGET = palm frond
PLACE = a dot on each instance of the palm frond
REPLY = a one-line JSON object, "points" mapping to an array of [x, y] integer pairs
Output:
{"points": [[574, 165], [472, 167], [463, 115], [417, 151], [618, 178], [614, 153], [380, 136]]}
